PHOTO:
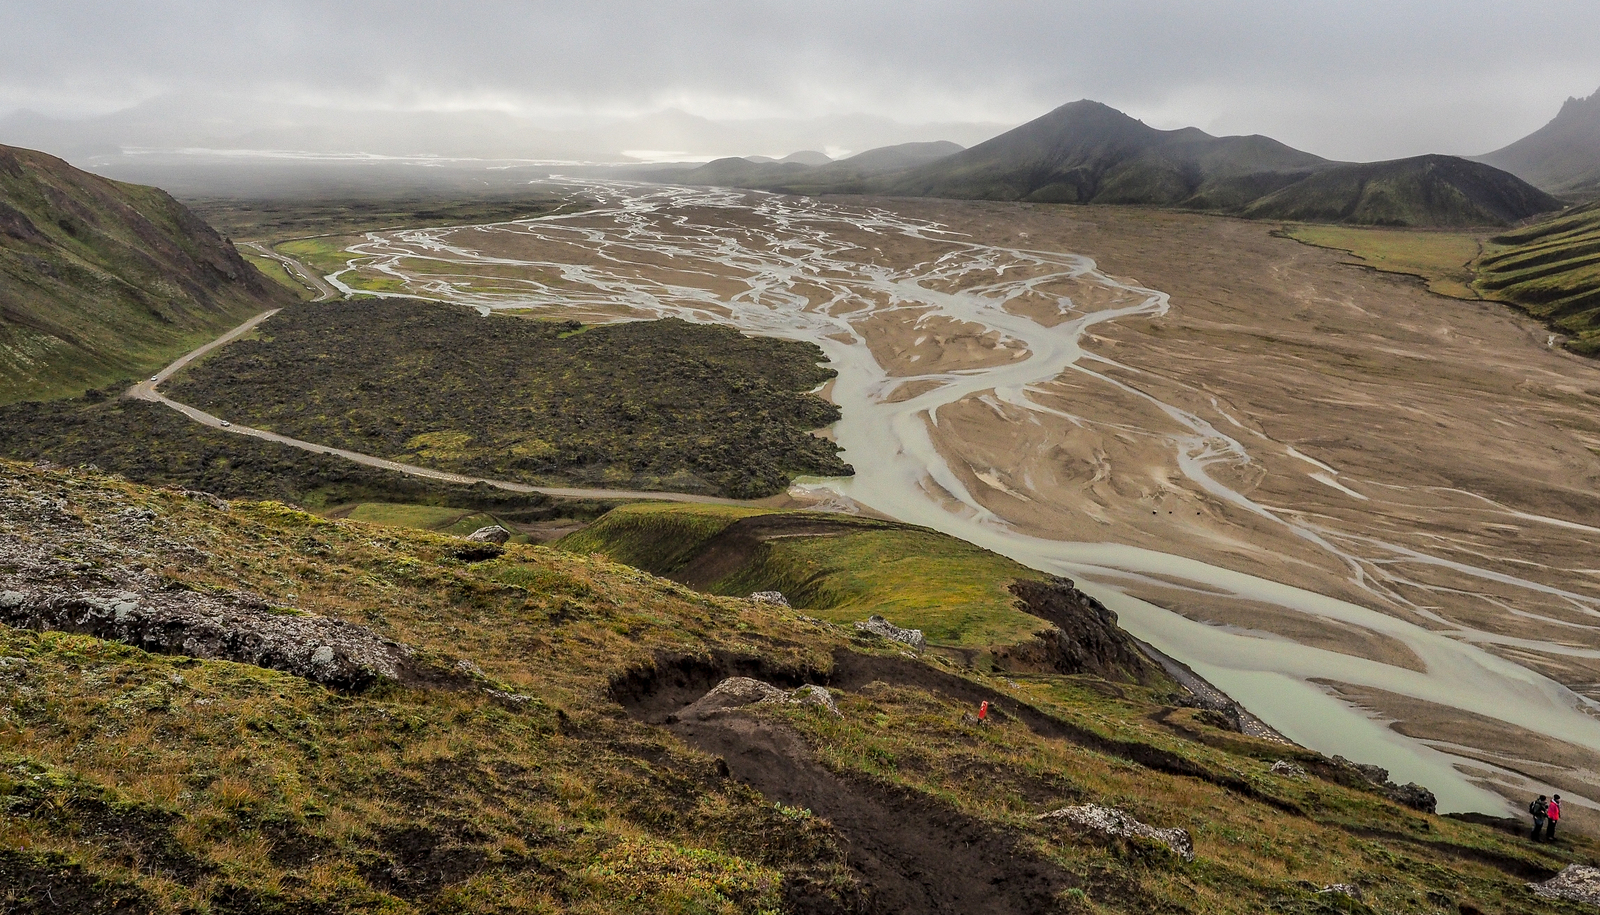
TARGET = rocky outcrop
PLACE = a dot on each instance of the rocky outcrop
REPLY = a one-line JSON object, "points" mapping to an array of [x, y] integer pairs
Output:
{"points": [[878, 626], [231, 627], [770, 597], [1085, 638], [1577, 883], [1412, 795], [1342, 889], [740, 692], [1111, 823], [1286, 769]]}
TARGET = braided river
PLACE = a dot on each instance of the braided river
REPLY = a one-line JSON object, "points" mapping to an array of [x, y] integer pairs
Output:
{"points": [[978, 400]]}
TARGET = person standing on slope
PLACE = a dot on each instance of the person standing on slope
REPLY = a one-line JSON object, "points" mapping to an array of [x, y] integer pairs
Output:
{"points": [[1538, 808], [1552, 813]]}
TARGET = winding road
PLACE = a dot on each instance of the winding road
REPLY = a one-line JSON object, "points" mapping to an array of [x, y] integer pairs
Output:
{"points": [[146, 390], [298, 270]]}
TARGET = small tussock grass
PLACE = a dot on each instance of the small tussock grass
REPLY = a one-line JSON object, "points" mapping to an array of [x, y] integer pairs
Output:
{"points": [[148, 783]]}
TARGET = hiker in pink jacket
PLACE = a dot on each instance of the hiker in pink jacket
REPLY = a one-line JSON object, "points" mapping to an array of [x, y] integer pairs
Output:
{"points": [[1551, 815]]}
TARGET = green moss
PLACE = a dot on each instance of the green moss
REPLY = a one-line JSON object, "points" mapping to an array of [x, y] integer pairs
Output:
{"points": [[640, 405]]}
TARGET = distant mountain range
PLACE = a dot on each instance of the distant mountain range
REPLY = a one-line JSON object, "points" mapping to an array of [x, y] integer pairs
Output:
{"points": [[1563, 156], [101, 281], [1086, 152], [202, 122]]}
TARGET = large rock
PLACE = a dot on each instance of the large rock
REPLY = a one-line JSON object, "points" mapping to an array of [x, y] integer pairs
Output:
{"points": [[1578, 883], [1083, 637], [225, 627], [739, 692], [1411, 794], [877, 625], [494, 533], [1111, 823], [770, 597]]}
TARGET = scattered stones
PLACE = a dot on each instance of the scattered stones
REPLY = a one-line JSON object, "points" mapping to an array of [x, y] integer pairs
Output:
{"points": [[216, 502], [1287, 769], [494, 533], [1577, 883], [877, 625], [1109, 822], [1342, 889], [770, 597]]}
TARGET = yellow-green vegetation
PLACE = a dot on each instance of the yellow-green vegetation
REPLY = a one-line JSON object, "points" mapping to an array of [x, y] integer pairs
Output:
{"points": [[101, 281], [133, 782], [421, 517], [1443, 259], [836, 567], [1552, 270], [275, 220], [639, 405], [278, 273]]}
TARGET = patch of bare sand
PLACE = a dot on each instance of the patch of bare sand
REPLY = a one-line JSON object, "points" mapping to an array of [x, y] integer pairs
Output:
{"points": [[914, 341]]}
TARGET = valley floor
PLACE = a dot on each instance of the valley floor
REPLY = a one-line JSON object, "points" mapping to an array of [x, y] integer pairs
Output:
{"points": [[1339, 484]]}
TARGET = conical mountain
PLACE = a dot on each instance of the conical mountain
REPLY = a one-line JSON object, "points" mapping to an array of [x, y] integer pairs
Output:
{"points": [[1086, 152], [1563, 156]]}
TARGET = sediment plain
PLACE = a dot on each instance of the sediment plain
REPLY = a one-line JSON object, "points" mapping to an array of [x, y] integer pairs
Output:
{"points": [[1364, 509]]}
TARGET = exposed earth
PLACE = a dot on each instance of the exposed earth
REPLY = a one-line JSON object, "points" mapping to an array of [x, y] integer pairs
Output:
{"points": [[1377, 501]]}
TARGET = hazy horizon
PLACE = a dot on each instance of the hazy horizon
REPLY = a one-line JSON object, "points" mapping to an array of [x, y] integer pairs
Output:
{"points": [[1347, 80]]}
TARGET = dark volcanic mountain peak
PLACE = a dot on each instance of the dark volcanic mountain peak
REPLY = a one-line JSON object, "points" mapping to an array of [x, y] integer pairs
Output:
{"points": [[1563, 156]]}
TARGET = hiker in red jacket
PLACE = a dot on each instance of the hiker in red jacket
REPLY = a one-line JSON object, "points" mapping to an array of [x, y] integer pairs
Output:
{"points": [[1551, 814]]}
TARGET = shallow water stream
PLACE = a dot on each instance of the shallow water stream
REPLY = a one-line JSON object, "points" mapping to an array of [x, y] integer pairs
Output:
{"points": [[807, 269]]}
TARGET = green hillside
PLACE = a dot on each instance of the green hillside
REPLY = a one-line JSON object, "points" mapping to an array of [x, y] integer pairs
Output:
{"points": [[531, 739], [1438, 191], [101, 280], [1552, 270]]}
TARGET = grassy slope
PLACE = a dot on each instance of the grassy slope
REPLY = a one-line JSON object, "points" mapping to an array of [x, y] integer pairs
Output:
{"points": [[662, 405], [1440, 191], [1551, 270], [953, 591], [101, 280], [167, 785]]}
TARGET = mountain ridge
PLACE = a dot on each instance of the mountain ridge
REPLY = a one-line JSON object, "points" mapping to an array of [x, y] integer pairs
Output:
{"points": [[100, 280], [1086, 152], [1563, 156]]}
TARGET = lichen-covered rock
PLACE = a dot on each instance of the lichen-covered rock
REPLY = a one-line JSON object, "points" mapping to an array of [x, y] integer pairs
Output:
{"points": [[226, 627], [206, 498], [1109, 822], [1342, 889], [494, 533], [770, 597], [877, 625], [739, 692], [1577, 883], [1287, 769]]}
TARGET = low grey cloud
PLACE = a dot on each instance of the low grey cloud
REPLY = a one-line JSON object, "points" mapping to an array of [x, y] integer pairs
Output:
{"points": [[1342, 78]]}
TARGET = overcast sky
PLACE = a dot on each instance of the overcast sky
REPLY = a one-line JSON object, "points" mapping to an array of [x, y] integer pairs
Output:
{"points": [[1343, 78]]}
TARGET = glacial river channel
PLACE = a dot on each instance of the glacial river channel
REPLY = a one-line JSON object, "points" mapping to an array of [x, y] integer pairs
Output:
{"points": [[798, 276]]}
